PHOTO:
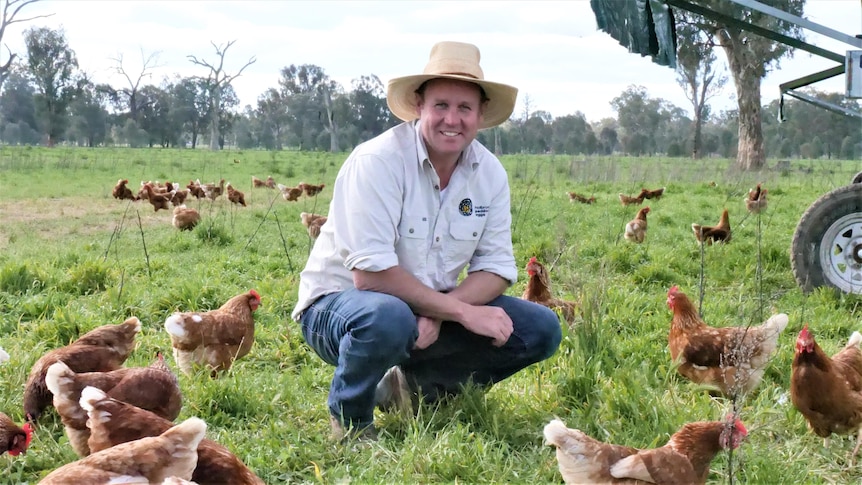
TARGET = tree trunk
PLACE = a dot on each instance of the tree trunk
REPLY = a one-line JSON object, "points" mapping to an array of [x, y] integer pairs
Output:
{"points": [[750, 154], [698, 133], [330, 120], [214, 131]]}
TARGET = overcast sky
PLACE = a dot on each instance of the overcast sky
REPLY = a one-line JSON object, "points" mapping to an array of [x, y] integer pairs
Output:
{"points": [[551, 51]]}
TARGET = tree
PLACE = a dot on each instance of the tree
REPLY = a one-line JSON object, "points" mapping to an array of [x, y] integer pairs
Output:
{"points": [[11, 9], [272, 113], [368, 104], [696, 75], [640, 118], [217, 81], [749, 57], [301, 88], [130, 96], [53, 65], [572, 134], [18, 109], [189, 106], [89, 116]]}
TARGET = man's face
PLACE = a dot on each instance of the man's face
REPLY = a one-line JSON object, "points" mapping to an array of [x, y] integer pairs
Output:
{"points": [[451, 113]]}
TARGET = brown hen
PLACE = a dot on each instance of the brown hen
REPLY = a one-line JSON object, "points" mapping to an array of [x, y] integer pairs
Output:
{"points": [[730, 359], [538, 290], [215, 338], [718, 233], [154, 388], [828, 391], [684, 459], [102, 349], [147, 460], [113, 422]]}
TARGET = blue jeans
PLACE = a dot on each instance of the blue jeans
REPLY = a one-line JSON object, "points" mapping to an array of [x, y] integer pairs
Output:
{"points": [[364, 333]]}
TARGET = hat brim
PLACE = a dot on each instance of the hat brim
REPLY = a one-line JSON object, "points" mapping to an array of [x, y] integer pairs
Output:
{"points": [[401, 97]]}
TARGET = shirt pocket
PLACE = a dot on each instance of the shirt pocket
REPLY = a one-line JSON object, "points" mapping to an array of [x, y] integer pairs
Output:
{"points": [[412, 245], [413, 227], [463, 239]]}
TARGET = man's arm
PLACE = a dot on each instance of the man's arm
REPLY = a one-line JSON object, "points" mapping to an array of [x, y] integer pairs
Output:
{"points": [[483, 320], [480, 287]]}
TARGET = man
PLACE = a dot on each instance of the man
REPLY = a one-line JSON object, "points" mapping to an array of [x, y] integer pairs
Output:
{"points": [[410, 210]]}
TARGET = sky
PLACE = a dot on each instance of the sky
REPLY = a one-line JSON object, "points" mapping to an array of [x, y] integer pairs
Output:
{"points": [[552, 51]]}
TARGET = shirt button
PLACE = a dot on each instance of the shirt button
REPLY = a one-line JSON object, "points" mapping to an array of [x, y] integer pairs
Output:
{"points": [[436, 187], [424, 219], [410, 231], [475, 233], [437, 239]]}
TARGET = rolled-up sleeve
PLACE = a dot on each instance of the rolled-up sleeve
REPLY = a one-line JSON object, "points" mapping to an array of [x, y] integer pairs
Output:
{"points": [[494, 252], [372, 204]]}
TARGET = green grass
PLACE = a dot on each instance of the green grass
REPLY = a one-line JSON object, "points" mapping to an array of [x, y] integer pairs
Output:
{"points": [[73, 258]]}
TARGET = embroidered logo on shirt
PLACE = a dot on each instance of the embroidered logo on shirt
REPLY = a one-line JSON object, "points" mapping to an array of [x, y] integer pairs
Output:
{"points": [[465, 207]]}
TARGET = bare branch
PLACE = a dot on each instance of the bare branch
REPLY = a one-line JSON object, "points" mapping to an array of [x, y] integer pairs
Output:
{"points": [[217, 80], [21, 4]]}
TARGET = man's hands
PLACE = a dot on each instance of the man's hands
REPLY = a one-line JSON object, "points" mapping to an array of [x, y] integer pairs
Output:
{"points": [[429, 330], [488, 321]]}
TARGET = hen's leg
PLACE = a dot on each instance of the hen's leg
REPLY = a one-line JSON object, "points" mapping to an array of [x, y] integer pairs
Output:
{"points": [[856, 448]]}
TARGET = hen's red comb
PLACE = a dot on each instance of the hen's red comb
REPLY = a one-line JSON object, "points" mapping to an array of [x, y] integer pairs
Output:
{"points": [[254, 294], [673, 289], [532, 260], [804, 333], [28, 431]]}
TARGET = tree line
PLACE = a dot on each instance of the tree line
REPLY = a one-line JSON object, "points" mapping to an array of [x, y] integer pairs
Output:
{"points": [[46, 99]]}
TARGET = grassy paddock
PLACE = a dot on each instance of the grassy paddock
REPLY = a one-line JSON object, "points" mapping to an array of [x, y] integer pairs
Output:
{"points": [[73, 258]]}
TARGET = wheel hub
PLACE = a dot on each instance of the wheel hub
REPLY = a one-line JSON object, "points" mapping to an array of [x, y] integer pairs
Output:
{"points": [[841, 253]]}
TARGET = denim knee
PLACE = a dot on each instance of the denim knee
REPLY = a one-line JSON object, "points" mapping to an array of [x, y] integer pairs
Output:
{"points": [[548, 332], [389, 323]]}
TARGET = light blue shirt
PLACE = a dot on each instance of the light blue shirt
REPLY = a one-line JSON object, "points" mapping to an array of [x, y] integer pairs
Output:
{"points": [[387, 210]]}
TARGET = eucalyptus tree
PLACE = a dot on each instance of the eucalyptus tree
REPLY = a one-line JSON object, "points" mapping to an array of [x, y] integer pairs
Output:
{"points": [[300, 86], [368, 102], [750, 57], [697, 74], [53, 68], [9, 11], [572, 134], [218, 81], [129, 96], [89, 115], [18, 108], [640, 117], [189, 109], [272, 117]]}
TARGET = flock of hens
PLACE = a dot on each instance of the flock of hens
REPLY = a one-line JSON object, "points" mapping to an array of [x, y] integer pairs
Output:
{"points": [[164, 196], [826, 390], [119, 420]]}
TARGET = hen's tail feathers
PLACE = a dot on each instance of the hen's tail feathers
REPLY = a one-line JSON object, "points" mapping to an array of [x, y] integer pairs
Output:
{"points": [[574, 457], [4, 356], [174, 325], [58, 374], [90, 399], [188, 434], [855, 339], [777, 322]]}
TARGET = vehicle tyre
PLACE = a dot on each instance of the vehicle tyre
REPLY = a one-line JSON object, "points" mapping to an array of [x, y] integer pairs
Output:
{"points": [[857, 178], [827, 244]]}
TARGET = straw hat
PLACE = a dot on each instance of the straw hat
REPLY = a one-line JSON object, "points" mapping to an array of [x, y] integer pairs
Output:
{"points": [[452, 60]]}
